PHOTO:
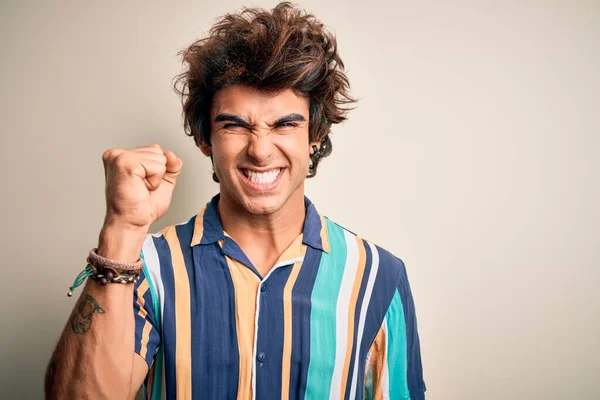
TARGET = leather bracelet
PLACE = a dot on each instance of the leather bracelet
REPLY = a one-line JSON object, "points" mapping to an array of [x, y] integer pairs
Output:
{"points": [[109, 275], [103, 276], [100, 263]]}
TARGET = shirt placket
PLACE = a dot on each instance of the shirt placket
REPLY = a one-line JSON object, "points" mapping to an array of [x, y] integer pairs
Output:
{"points": [[260, 355]]}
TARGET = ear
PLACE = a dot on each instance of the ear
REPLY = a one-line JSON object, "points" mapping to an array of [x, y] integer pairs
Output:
{"points": [[205, 148]]}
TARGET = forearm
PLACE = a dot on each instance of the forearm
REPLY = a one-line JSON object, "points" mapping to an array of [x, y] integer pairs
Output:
{"points": [[95, 353]]}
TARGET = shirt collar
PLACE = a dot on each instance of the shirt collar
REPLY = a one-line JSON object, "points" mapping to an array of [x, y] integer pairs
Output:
{"points": [[208, 228]]}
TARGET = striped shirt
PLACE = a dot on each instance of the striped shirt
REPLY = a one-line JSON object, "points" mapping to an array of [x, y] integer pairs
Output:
{"points": [[333, 319]]}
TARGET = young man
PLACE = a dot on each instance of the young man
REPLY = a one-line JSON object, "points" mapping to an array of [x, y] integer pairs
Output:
{"points": [[258, 296]]}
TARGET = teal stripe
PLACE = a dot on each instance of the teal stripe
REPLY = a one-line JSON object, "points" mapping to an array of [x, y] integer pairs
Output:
{"points": [[396, 345], [323, 315], [157, 387]]}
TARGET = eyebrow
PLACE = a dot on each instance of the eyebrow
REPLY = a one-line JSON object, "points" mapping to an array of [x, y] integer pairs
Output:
{"points": [[232, 118], [289, 118], [294, 117]]}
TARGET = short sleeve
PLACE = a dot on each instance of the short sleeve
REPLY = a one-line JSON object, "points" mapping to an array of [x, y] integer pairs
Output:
{"points": [[147, 338], [394, 369]]}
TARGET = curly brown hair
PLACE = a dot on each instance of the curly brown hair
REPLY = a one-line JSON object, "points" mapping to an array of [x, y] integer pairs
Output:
{"points": [[286, 48]]}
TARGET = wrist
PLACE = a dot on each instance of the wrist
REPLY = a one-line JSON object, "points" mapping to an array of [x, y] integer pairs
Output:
{"points": [[121, 242]]}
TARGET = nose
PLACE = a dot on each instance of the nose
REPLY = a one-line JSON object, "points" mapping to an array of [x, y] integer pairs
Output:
{"points": [[261, 149]]}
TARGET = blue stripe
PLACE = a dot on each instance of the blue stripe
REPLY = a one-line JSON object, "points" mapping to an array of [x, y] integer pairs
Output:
{"points": [[414, 374], [270, 334], [301, 310], [231, 248], [215, 353]]}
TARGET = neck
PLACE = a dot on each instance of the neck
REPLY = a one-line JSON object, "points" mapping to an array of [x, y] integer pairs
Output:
{"points": [[263, 237]]}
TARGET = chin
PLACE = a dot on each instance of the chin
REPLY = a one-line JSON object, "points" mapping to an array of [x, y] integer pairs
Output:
{"points": [[263, 205], [261, 198]]}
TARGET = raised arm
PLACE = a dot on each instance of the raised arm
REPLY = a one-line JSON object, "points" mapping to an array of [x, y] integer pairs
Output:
{"points": [[95, 355]]}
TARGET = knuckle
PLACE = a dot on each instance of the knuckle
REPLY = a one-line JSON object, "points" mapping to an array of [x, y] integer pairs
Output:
{"points": [[107, 154], [161, 169], [122, 160]]}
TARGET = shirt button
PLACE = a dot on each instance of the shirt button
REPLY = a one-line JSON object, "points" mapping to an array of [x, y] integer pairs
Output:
{"points": [[263, 287], [262, 357]]}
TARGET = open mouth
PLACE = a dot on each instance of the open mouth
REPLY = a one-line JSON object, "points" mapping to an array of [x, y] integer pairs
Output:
{"points": [[263, 179]]}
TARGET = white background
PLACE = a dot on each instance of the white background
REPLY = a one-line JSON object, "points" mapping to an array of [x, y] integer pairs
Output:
{"points": [[473, 155]]}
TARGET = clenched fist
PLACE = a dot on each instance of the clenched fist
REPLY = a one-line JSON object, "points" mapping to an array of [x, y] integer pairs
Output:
{"points": [[139, 185]]}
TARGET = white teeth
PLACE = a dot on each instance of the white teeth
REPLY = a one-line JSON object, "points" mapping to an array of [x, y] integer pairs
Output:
{"points": [[262, 177]]}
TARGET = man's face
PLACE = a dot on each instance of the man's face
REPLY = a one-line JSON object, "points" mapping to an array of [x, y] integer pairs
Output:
{"points": [[260, 146]]}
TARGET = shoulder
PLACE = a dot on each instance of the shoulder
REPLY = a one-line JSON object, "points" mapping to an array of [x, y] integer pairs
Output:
{"points": [[159, 246], [389, 267], [181, 232]]}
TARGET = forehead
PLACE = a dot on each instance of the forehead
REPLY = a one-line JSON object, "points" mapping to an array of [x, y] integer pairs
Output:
{"points": [[252, 104]]}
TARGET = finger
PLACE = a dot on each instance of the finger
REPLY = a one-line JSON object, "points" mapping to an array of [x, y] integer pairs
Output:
{"points": [[127, 159], [149, 155], [130, 162], [152, 174], [173, 167], [153, 148]]}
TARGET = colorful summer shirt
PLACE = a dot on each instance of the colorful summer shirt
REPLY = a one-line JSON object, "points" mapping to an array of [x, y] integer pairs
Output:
{"points": [[333, 319]]}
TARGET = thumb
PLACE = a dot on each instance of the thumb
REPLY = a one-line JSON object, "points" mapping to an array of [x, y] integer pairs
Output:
{"points": [[173, 167]]}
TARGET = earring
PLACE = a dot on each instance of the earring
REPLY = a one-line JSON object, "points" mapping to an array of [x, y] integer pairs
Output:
{"points": [[315, 151]]}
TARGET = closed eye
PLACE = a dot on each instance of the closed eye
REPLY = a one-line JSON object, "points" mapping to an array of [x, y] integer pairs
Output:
{"points": [[287, 125], [289, 121], [229, 126]]}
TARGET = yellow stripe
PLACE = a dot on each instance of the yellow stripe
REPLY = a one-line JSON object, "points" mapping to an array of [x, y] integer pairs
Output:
{"points": [[198, 228], [287, 325], [145, 338], [183, 326], [245, 284], [141, 291], [351, 312]]}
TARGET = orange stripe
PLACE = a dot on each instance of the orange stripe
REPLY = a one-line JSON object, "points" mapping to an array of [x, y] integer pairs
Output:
{"points": [[183, 326], [324, 235], [141, 291], [351, 312], [287, 325], [377, 360], [198, 228], [294, 250], [145, 338], [245, 284]]}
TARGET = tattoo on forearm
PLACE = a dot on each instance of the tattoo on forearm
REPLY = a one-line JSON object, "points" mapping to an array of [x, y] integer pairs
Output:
{"points": [[82, 320]]}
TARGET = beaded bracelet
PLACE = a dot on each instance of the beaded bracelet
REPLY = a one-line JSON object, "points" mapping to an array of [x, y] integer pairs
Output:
{"points": [[103, 277], [108, 275], [104, 271]]}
